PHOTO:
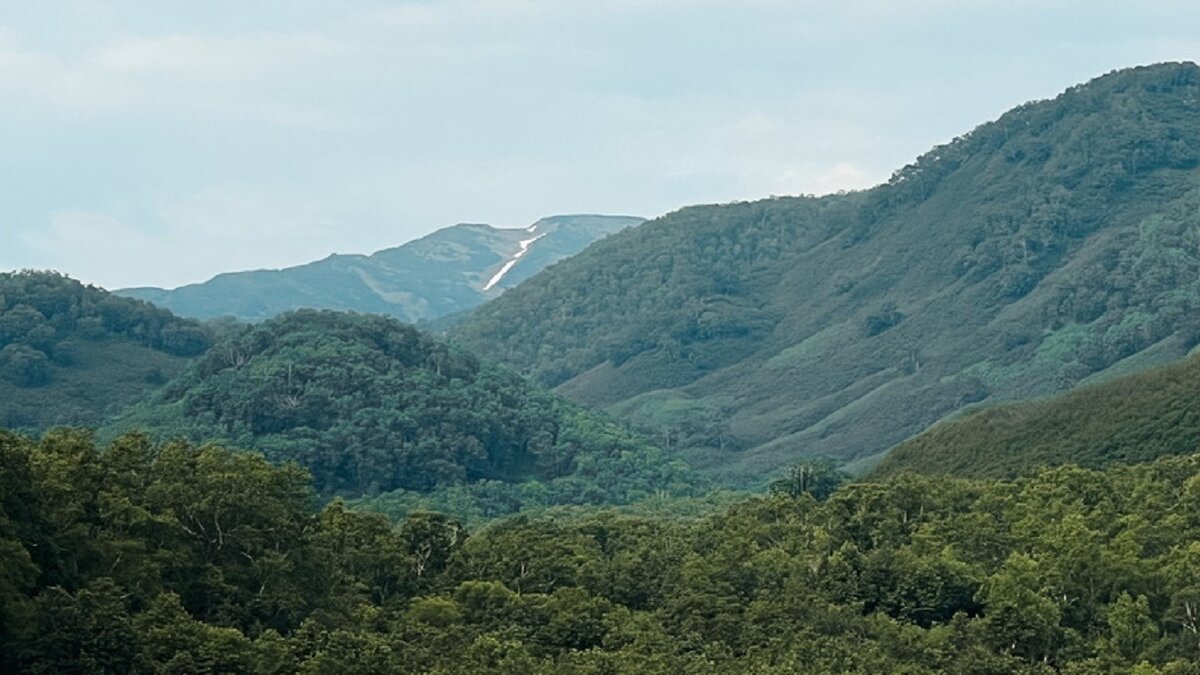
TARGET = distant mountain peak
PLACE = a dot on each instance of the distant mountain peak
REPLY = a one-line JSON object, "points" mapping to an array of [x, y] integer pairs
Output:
{"points": [[444, 272], [522, 248]]}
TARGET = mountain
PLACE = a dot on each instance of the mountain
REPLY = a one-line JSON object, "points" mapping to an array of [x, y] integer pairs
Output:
{"points": [[1054, 244], [371, 405], [1136, 418], [75, 354], [448, 271]]}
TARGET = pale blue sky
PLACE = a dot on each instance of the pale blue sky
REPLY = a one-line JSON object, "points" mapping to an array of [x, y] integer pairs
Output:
{"points": [[162, 142]]}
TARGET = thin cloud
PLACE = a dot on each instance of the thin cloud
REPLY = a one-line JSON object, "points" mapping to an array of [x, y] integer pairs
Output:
{"points": [[181, 134], [237, 228], [241, 77], [212, 58]]}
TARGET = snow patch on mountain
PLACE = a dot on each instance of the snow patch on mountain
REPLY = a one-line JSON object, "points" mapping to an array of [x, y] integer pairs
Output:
{"points": [[524, 246]]}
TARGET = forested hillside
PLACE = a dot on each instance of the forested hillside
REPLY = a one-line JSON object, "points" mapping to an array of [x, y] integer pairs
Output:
{"points": [[1055, 243], [1136, 418], [449, 271], [75, 354], [370, 405], [138, 558]]}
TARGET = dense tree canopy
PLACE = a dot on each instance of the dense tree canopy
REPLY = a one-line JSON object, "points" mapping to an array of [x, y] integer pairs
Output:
{"points": [[370, 405], [42, 310], [75, 354], [176, 558]]}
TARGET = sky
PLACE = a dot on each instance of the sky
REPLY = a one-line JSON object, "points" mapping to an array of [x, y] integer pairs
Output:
{"points": [[160, 143]]}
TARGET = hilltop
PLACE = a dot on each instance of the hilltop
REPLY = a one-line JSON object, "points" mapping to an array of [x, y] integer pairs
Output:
{"points": [[75, 354], [371, 405]]}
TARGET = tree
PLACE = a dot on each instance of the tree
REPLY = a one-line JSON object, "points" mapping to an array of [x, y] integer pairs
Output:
{"points": [[1131, 630], [1020, 619], [24, 366], [817, 477], [87, 632]]}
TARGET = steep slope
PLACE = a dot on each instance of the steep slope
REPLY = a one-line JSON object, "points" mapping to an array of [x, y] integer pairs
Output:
{"points": [[370, 405], [1136, 418], [73, 354], [1052, 244], [448, 271]]}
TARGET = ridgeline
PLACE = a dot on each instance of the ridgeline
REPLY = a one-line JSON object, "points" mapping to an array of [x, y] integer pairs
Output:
{"points": [[1049, 246]]}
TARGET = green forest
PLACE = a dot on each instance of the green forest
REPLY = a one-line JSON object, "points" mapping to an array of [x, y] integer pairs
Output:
{"points": [[1136, 418], [374, 408], [950, 424], [175, 558], [76, 354]]}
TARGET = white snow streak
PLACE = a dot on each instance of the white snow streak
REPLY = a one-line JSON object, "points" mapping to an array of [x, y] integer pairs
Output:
{"points": [[524, 244]]}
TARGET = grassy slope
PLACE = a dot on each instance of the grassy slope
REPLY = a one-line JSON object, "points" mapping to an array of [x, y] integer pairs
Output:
{"points": [[1135, 418], [1039, 250]]}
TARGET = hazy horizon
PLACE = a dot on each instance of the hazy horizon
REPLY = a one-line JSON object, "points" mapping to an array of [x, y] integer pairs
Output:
{"points": [[162, 145]]}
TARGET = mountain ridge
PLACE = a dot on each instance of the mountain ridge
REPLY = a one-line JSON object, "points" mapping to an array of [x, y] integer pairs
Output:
{"points": [[1010, 263], [444, 272]]}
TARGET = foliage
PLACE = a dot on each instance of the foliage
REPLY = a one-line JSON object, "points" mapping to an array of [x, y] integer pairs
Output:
{"points": [[177, 558], [646, 493], [1055, 243], [370, 405], [24, 366], [816, 477], [74, 354], [1135, 418]]}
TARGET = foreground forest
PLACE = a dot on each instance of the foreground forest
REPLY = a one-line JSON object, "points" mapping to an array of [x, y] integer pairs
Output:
{"points": [[174, 558]]}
